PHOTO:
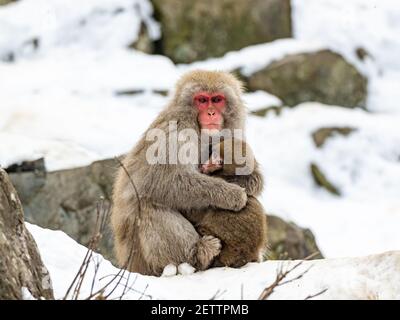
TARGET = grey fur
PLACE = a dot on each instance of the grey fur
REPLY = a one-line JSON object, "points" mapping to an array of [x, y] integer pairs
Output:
{"points": [[159, 234]]}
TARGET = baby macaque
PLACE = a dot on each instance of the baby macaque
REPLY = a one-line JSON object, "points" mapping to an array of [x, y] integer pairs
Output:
{"points": [[243, 234]]}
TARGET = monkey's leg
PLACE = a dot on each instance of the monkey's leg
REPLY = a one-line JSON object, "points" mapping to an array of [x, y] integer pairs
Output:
{"points": [[168, 238], [204, 252]]}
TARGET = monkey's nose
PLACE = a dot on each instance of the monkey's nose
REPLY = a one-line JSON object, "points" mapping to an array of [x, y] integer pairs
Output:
{"points": [[211, 113]]}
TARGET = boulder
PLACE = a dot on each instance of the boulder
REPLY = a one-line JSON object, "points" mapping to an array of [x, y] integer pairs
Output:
{"points": [[143, 42], [263, 112], [4, 2], [196, 30], [322, 76], [289, 241], [68, 200], [23, 274], [35, 165], [322, 134], [321, 180]]}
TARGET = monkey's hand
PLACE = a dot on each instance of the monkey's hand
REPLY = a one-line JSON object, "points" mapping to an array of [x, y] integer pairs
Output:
{"points": [[188, 189], [208, 168], [236, 198]]}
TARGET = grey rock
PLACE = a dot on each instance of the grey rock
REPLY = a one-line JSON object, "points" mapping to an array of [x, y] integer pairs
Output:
{"points": [[144, 42], [68, 200], [25, 166], [289, 241], [20, 262], [4, 2], [322, 76], [196, 30], [321, 180], [322, 134]]}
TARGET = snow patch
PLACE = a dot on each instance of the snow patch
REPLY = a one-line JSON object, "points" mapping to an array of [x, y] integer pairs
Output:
{"points": [[371, 277], [26, 294]]}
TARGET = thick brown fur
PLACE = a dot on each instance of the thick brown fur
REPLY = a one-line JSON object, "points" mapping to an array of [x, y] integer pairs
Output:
{"points": [[158, 234], [243, 234]]}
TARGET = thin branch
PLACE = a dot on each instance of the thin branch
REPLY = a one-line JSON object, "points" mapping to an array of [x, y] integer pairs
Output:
{"points": [[317, 294], [116, 281], [78, 279], [218, 294], [282, 274]]}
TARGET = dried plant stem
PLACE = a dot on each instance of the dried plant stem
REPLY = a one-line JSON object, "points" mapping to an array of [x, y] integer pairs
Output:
{"points": [[281, 275], [109, 288]]}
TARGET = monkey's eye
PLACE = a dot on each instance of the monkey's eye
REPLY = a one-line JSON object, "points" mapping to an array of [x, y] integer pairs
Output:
{"points": [[216, 99], [202, 99]]}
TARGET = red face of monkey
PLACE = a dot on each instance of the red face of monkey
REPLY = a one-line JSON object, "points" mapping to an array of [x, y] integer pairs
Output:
{"points": [[210, 108]]}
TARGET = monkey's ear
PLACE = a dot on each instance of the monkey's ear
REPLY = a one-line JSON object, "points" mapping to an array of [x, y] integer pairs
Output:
{"points": [[239, 79]]}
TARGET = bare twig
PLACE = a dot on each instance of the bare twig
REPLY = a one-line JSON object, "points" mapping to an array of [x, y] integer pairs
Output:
{"points": [[282, 274], [143, 293], [75, 286], [316, 295], [96, 270], [218, 294], [116, 279]]}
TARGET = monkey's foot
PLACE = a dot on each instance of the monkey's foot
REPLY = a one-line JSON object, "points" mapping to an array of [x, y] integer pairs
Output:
{"points": [[208, 248], [169, 270], [185, 269]]}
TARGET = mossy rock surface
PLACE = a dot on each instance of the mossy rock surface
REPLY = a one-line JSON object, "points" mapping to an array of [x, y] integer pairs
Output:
{"points": [[196, 30], [4, 2], [321, 135], [288, 241], [322, 181], [21, 267], [322, 76]]}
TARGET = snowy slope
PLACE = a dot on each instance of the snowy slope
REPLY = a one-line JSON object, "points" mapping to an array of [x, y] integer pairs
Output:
{"points": [[345, 26], [58, 101], [93, 24], [371, 277]]}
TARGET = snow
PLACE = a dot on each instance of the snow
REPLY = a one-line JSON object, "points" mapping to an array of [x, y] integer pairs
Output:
{"points": [[370, 277], [58, 23], [59, 101], [364, 166], [260, 99], [254, 58], [169, 270], [26, 294], [186, 269], [373, 25]]}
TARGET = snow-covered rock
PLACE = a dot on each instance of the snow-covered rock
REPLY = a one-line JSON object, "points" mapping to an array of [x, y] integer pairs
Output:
{"points": [[39, 26], [370, 277], [322, 76]]}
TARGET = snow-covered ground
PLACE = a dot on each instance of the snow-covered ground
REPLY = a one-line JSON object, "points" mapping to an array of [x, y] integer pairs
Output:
{"points": [[372, 277], [59, 101]]}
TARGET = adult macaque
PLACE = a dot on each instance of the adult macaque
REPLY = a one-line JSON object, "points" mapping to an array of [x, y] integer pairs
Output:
{"points": [[242, 234], [157, 235]]}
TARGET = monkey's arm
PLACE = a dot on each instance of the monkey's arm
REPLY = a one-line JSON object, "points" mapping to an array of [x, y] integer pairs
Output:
{"points": [[184, 188], [253, 183]]}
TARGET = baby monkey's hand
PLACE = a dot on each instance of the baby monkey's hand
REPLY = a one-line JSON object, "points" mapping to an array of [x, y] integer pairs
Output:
{"points": [[211, 165]]}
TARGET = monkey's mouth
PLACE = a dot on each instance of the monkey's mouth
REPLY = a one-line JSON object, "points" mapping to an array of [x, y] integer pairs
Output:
{"points": [[212, 126]]}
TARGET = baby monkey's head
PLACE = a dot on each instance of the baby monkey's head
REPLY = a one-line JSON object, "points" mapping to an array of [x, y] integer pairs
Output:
{"points": [[229, 158]]}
